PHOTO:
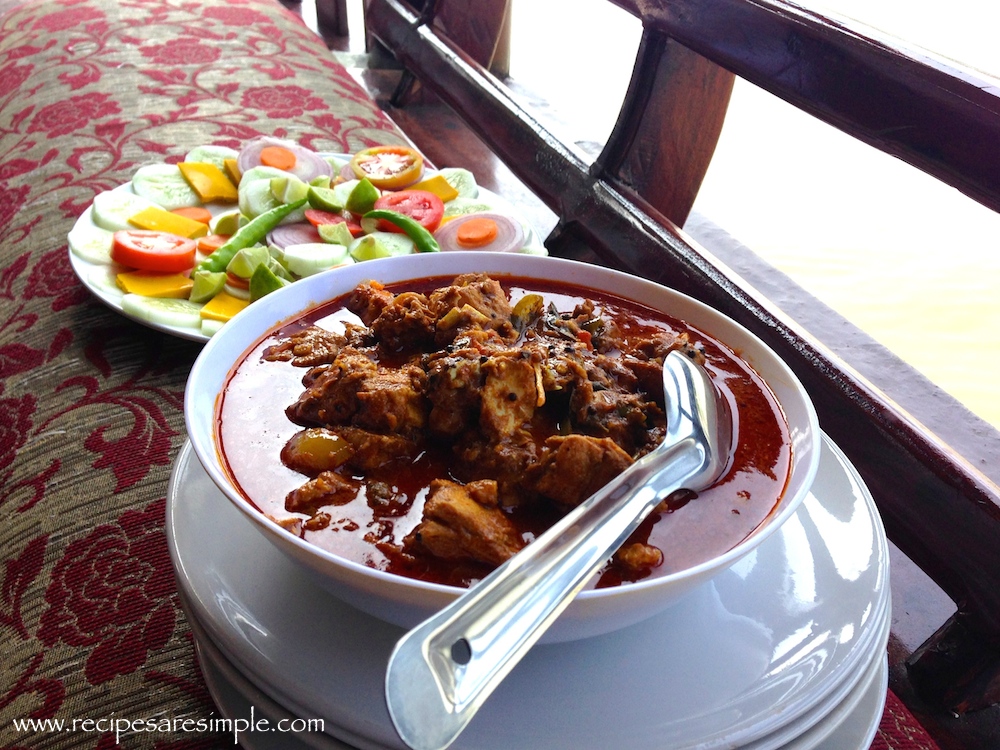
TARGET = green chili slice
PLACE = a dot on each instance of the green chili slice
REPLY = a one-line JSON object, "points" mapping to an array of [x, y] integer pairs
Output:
{"points": [[422, 239], [250, 234]]}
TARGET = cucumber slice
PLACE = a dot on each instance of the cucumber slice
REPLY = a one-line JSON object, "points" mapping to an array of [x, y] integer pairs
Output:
{"points": [[336, 164], [112, 209], [104, 279], [216, 155], [313, 257], [165, 186], [211, 327], [163, 311], [462, 206], [534, 249], [462, 180], [256, 198], [91, 243], [381, 245], [255, 190], [262, 173]]}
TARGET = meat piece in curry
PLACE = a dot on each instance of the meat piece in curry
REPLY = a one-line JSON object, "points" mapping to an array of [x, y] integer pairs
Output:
{"points": [[465, 521], [574, 467]]}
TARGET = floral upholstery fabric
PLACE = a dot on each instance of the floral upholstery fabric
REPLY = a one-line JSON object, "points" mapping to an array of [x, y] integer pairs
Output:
{"points": [[90, 403]]}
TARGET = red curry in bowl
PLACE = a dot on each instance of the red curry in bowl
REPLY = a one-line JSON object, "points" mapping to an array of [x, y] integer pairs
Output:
{"points": [[432, 430]]}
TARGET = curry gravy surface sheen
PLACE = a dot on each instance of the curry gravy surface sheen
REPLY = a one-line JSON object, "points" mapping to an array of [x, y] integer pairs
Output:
{"points": [[253, 428]]}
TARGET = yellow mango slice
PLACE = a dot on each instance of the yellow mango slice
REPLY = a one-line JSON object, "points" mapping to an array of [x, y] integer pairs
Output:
{"points": [[232, 171], [151, 284], [437, 185], [223, 306], [160, 220], [209, 182]]}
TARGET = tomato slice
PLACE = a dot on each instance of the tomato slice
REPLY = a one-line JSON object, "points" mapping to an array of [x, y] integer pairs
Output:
{"points": [[148, 250], [420, 205], [388, 167], [316, 217]]}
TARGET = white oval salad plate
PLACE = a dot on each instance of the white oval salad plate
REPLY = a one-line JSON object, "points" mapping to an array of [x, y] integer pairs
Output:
{"points": [[751, 652], [90, 245]]}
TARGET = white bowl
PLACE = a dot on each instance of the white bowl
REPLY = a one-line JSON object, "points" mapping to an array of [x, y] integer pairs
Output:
{"points": [[406, 602]]}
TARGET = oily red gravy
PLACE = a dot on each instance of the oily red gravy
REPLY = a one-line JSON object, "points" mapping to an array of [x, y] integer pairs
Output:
{"points": [[432, 429]]}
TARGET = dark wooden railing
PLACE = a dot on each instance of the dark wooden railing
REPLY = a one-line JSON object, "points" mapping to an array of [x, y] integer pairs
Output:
{"points": [[939, 510]]}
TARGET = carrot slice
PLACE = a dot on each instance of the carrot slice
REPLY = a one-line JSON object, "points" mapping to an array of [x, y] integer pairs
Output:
{"points": [[476, 232], [277, 157], [212, 242], [197, 213]]}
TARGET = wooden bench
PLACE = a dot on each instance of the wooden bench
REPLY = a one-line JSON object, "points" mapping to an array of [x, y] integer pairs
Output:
{"points": [[941, 511]]}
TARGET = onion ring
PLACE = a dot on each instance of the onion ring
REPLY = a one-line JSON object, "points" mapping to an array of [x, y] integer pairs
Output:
{"points": [[308, 164], [510, 235], [299, 233]]}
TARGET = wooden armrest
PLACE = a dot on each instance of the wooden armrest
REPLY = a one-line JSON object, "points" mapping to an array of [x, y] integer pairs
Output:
{"points": [[928, 112]]}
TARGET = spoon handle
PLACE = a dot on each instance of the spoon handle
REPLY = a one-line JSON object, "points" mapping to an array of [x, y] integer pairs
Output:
{"points": [[442, 671]]}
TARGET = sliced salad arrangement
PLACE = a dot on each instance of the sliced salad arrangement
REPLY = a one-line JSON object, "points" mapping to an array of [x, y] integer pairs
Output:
{"points": [[188, 245]]}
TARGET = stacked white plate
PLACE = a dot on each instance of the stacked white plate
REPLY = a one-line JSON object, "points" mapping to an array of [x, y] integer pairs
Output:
{"points": [[785, 650]]}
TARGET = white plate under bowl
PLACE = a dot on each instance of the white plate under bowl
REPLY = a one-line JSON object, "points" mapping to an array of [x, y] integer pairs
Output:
{"points": [[850, 724], [405, 601], [857, 729], [246, 705], [754, 649], [823, 719]]}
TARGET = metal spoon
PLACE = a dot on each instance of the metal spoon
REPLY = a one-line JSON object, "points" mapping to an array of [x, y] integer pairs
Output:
{"points": [[442, 671]]}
